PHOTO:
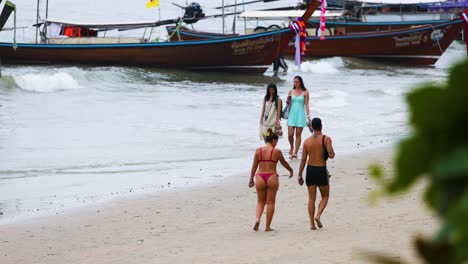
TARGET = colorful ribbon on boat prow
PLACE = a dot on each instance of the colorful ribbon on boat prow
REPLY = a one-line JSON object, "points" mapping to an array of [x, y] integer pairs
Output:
{"points": [[464, 17], [323, 10], [299, 28]]}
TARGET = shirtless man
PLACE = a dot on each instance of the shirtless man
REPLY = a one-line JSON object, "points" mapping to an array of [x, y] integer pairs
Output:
{"points": [[318, 148]]}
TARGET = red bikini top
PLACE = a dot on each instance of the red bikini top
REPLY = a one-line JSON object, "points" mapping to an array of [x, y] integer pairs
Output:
{"points": [[271, 156]]}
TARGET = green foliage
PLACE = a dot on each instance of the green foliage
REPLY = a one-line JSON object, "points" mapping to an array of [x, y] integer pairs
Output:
{"points": [[438, 150], [382, 259], [376, 173]]}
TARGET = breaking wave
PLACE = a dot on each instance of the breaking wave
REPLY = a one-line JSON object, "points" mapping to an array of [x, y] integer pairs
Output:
{"points": [[330, 65], [44, 83]]}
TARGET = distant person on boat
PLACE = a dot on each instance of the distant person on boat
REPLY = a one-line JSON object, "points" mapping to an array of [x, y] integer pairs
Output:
{"points": [[266, 180], [317, 148], [271, 110], [298, 101]]}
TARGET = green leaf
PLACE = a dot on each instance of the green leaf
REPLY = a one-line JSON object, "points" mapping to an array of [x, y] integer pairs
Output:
{"points": [[458, 79], [458, 217], [438, 150], [452, 166], [432, 195], [376, 172], [413, 159], [434, 253], [428, 111], [380, 258]]}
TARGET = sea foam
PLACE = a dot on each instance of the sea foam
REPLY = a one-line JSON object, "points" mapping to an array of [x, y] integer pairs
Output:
{"points": [[45, 83], [451, 56], [325, 66]]}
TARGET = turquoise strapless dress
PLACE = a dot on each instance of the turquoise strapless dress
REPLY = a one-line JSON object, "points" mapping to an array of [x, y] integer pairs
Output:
{"points": [[297, 115]]}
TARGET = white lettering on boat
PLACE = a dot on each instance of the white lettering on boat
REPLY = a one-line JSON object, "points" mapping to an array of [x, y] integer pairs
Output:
{"points": [[412, 40], [247, 47]]}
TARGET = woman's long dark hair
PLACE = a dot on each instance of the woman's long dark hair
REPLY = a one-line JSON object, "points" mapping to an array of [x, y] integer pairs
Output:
{"points": [[302, 83], [267, 95]]}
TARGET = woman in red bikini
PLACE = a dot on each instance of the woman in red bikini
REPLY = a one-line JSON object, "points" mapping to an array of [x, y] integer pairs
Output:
{"points": [[266, 182]]}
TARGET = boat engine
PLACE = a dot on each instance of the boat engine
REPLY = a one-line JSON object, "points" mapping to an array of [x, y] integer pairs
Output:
{"points": [[193, 13]]}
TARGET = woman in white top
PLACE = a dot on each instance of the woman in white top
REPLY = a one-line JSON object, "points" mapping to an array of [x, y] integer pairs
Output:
{"points": [[271, 110]]}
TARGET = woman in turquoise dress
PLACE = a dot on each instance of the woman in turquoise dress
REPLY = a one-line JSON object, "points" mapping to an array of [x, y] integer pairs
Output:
{"points": [[298, 99]]}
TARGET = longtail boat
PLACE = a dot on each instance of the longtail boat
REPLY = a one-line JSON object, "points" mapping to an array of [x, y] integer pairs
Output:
{"points": [[413, 46], [246, 53], [333, 27], [416, 45]]}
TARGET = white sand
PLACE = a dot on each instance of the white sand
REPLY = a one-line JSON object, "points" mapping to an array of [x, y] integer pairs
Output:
{"points": [[213, 224]]}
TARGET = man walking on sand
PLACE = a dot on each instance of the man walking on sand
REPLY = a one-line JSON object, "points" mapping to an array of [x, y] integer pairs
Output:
{"points": [[318, 148]]}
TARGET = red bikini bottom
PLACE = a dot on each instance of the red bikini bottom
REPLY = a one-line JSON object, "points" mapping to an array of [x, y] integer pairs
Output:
{"points": [[266, 175]]}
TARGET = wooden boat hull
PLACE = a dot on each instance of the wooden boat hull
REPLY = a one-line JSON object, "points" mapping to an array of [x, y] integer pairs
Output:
{"points": [[415, 46], [250, 53], [332, 28], [348, 27]]}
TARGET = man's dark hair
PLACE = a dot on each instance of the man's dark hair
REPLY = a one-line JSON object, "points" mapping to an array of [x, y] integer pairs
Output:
{"points": [[317, 123]]}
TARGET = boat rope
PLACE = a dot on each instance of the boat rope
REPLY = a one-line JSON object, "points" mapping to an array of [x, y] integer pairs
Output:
{"points": [[176, 31], [151, 33], [438, 43]]}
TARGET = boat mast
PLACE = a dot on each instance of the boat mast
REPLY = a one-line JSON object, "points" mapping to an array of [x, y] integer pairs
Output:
{"points": [[14, 29], [37, 20], [234, 19], [45, 24], [223, 15]]}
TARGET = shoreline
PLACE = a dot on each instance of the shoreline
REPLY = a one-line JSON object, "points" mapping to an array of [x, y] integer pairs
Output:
{"points": [[213, 224], [74, 201]]}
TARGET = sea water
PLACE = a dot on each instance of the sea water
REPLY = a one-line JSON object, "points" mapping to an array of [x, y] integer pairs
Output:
{"points": [[76, 136]]}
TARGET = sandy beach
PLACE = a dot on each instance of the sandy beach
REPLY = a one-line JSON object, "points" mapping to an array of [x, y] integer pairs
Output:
{"points": [[213, 224]]}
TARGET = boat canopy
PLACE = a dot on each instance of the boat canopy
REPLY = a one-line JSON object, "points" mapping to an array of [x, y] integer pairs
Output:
{"points": [[103, 26], [399, 2], [447, 5], [288, 14]]}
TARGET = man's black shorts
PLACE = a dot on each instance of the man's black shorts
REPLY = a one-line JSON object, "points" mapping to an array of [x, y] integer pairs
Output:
{"points": [[316, 176]]}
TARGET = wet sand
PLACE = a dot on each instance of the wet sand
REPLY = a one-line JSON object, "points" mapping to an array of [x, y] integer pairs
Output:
{"points": [[213, 224]]}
